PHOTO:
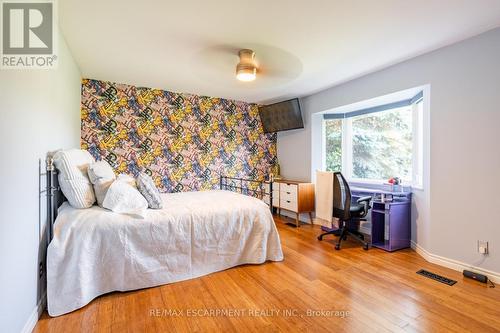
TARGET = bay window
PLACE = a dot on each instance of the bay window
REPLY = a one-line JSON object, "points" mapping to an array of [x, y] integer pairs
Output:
{"points": [[375, 144]]}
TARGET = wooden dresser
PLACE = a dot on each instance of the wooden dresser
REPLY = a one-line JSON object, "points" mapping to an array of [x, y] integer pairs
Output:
{"points": [[293, 196]]}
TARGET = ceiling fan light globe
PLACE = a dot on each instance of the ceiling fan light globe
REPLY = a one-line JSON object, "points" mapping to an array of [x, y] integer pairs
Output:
{"points": [[246, 70], [246, 75]]}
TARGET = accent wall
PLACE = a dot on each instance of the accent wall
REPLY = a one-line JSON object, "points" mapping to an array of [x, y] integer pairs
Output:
{"points": [[185, 142]]}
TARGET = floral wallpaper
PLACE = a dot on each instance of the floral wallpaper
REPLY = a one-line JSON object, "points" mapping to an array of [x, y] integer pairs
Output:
{"points": [[185, 142]]}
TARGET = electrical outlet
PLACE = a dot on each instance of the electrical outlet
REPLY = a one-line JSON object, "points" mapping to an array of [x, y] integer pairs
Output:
{"points": [[482, 247]]}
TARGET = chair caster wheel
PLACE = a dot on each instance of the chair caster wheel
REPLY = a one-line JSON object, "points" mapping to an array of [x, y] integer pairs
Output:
{"points": [[365, 247], [320, 238], [337, 247]]}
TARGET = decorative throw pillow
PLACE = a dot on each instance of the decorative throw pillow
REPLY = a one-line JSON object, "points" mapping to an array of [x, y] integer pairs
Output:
{"points": [[128, 179], [101, 175], [124, 198], [148, 189], [73, 179]]}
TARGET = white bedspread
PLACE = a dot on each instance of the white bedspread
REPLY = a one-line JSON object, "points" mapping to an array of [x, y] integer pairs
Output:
{"points": [[95, 251]]}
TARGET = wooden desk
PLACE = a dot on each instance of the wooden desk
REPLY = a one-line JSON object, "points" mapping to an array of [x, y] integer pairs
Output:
{"points": [[293, 196]]}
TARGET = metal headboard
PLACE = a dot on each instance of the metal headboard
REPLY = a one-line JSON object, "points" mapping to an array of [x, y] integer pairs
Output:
{"points": [[238, 184], [55, 197], [52, 192]]}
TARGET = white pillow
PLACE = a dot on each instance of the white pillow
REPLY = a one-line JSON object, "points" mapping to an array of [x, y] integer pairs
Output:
{"points": [[122, 197], [128, 179], [101, 175], [73, 179]]}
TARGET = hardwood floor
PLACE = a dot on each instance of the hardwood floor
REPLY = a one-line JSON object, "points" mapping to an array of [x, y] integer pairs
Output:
{"points": [[358, 291]]}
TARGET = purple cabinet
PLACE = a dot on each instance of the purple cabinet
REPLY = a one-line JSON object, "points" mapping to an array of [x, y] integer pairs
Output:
{"points": [[391, 224], [390, 219]]}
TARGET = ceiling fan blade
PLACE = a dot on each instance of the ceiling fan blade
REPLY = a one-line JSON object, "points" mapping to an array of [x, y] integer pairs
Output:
{"points": [[275, 66]]}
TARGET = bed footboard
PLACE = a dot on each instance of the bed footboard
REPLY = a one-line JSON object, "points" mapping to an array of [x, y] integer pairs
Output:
{"points": [[255, 188]]}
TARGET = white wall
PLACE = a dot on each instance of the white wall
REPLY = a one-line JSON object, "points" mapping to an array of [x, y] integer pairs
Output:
{"points": [[39, 112], [460, 204]]}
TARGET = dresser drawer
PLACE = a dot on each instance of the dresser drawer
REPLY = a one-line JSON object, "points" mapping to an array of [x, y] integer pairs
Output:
{"points": [[289, 189], [289, 205], [288, 196], [275, 200], [276, 187]]}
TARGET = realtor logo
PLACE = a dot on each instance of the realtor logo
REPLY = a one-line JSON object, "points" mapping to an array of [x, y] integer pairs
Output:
{"points": [[28, 35]]}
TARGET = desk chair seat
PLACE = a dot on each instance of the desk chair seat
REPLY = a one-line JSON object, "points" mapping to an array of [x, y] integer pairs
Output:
{"points": [[357, 210], [349, 214]]}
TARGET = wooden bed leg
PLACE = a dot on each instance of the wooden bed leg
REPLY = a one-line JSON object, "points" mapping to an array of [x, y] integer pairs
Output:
{"points": [[297, 220], [311, 218]]}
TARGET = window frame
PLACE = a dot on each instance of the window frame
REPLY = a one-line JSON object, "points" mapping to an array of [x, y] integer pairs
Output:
{"points": [[347, 147]]}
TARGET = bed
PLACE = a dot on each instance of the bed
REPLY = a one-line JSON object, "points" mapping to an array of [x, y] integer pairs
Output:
{"points": [[94, 251]]}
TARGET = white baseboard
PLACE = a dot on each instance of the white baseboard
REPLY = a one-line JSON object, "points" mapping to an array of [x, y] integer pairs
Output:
{"points": [[304, 217], [365, 230], [33, 318], [453, 264], [433, 258], [362, 228]]}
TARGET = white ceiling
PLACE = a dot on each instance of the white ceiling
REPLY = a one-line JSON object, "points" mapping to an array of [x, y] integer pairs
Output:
{"points": [[301, 46]]}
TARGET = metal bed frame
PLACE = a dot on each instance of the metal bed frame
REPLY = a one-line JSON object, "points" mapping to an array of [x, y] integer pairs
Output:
{"points": [[53, 193], [258, 192], [55, 197]]}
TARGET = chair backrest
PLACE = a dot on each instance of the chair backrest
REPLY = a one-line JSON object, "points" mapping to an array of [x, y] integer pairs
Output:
{"points": [[341, 197]]}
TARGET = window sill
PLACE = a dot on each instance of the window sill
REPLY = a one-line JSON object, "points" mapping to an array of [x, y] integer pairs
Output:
{"points": [[379, 185]]}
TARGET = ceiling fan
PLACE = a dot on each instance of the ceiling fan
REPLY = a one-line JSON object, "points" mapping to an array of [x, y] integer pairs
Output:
{"points": [[266, 65], [246, 70]]}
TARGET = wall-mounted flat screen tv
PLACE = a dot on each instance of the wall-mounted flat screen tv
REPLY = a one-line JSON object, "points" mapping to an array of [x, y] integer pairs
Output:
{"points": [[281, 116]]}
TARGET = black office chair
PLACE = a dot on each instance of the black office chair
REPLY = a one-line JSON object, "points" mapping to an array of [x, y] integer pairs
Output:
{"points": [[349, 214]]}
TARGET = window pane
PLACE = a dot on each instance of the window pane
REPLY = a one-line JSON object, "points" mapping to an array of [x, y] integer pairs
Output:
{"points": [[418, 131], [333, 144], [382, 145]]}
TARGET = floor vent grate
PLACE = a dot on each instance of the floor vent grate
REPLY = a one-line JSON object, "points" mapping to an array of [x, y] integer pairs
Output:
{"points": [[436, 277]]}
